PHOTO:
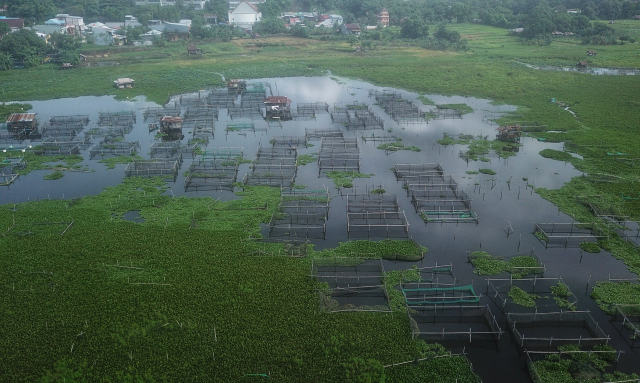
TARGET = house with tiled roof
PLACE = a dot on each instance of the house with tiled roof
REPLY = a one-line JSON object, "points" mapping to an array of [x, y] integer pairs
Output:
{"points": [[350, 29], [245, 15]]}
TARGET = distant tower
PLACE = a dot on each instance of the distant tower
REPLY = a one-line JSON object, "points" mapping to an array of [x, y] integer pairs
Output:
{"points": [[383, 17]]}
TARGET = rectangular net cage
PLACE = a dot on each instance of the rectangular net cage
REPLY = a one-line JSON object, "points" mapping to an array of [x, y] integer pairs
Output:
{"points": [[211, 174], [168, 170], [549, 330], [351, 284], [319, 133], [540, 290], [454, 324], [423, 294], [567, 234], [117, 118], [156, 113], [626, 319], [110, 148], [302, 214]]}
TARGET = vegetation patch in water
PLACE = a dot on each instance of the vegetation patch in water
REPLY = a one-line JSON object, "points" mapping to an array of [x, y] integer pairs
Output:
{"points": [[557, 155], [608, 294], [54, 176], [522, 298], [488, 171], [345, 179], [405, 250], [398, 145], [518, 267], [305, 159], [590, 247]]}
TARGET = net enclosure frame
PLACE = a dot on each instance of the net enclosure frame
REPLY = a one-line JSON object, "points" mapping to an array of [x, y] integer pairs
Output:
{"points": [[431, 274], [430, 199], [423, 294], [60, 148], [524, 270], [453, 321], [168, 170], [117, 118], [338, 154], [83, 142], [81, 118], [560, 320], [223, 152], [317, 134], [274, 167], [626, 320], [435, 182], [8, 179], [109, 148], [405, 172], [389, 224], [157, 112], [301, 214], [362, 203], [541, 355], [566, 234], [211, 175], [350, 278], [498, 292]]}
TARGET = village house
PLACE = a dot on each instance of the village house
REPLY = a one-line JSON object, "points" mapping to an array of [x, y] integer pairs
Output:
{"points": [[13, 23], [329, 20], [197, 4], [383, 17], [278, 108], [245, 15], [22, 124], [125, 82], [177, 31], [350, 29]]}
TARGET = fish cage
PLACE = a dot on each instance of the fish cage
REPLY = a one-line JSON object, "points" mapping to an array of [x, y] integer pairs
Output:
{"points": [[567, 234], [312, 107], [383, 95], [380, 139], [291, 142], [437, 275], [8, 179], [435, 182], [602, 208], [348, 271], [117, 118], [549, 330], [170, 150], [267, 170], [298, 225], [457, 324], [83, 142], [570, 357], [108, 132], [540, 289], [303, 114], [193, 99], [340, 115], [338, 154], [168, 170], [443, 112], [58, 149], [389, 224], [199, 140], [223, 153], [83, 119], [206, 112], [423, 294], [353, 284], [361, 203], [303, 200], [58, 131], [13, 163], [157, 112], [431, 199], [449, 214], [252, 100], [78, 126], [7, 137], [242, 112], [517, 268], [221, 98], [114, 148], [402, 111], [317, 134], [626, 319], [211, 175], [417, 171], [241, 127]]}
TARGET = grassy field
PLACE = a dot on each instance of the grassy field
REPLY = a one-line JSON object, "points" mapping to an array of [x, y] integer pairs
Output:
{"points": [[216, 312]]}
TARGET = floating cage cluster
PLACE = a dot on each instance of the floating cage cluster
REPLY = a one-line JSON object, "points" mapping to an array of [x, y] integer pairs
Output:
{"points": [[109, 148], [212, 173], [375, 215], [458, 324], [354, 284], [338, 154], [533, 330], [168, 170], [275, 166], [567, 234], [62, 136], [401, 110], [434, 196], [318, 134], [302, 214], [356, 116]]}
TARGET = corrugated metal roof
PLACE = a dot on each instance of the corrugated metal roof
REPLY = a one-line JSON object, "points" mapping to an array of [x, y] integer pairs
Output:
{"points": [[171, 119], [21, 117], [277, 100]]}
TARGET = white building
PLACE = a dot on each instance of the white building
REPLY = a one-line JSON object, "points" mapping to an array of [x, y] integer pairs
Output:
{"points": [[197, 4], [245, 15]]}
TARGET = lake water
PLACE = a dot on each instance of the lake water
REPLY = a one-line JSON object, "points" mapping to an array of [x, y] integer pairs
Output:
{"points": [[503, 202]]}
